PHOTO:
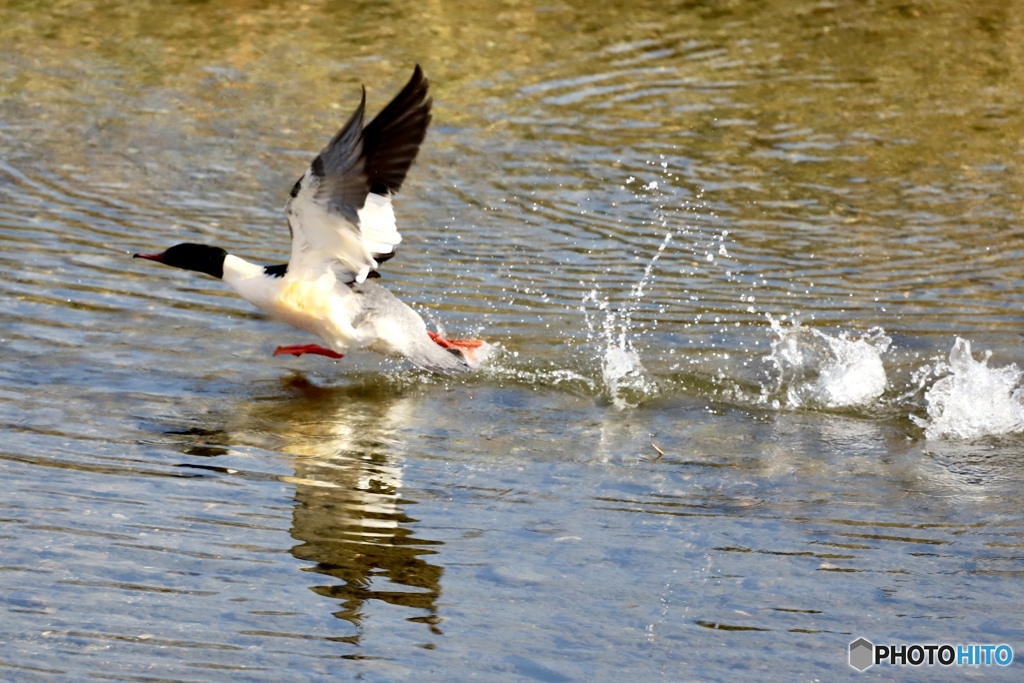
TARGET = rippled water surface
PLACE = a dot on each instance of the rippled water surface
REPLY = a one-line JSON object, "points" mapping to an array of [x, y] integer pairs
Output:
{"points": [[752, 269]]}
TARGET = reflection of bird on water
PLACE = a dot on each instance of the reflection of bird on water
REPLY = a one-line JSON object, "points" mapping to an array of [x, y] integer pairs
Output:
{"points": [[348, 516]]}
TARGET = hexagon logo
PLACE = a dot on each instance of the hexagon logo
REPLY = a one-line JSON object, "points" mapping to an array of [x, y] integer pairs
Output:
{"points": [[862, 654]]}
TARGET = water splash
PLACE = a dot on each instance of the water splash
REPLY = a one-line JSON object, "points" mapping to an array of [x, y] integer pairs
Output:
{"points": [[817, 370], [567, 380], [970, 400], [625, 380]]}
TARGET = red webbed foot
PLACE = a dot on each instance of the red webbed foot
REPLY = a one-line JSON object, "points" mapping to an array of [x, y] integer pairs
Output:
{"points": [[461, 344], [300, 349]]}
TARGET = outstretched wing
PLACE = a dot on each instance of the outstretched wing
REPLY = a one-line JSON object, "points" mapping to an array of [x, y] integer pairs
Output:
{"points": [[340, 211]]}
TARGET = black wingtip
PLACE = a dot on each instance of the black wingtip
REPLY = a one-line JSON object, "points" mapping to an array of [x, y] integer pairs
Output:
{"points": [[391, 141], [343, 152], [376, 158]]}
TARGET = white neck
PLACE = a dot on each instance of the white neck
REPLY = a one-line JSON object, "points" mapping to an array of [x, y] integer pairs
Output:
{"points": [[238, 270], [249, 280]]}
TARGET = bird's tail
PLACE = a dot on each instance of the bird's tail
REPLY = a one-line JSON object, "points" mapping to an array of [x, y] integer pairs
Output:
{"points": [[400, 331]]}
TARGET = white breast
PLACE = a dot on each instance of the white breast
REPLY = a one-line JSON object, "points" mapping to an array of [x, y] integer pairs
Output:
{"points": [[317, 305]]}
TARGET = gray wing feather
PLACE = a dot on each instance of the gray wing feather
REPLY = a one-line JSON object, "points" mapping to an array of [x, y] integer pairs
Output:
{"points": [[341, 169], [329, 214]]}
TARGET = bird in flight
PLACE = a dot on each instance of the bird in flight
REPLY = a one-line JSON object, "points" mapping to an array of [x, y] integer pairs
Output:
{"points": [[342, 228]]}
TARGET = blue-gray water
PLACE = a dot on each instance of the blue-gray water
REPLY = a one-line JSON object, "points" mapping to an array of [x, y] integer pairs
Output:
{"points": [[741, 261]]}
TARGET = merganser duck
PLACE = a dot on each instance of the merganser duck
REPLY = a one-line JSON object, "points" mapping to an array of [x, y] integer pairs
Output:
{"points": [[342, 228]]}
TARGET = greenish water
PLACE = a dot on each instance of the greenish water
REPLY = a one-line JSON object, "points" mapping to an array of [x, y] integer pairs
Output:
{"points": [[726, 249]]}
